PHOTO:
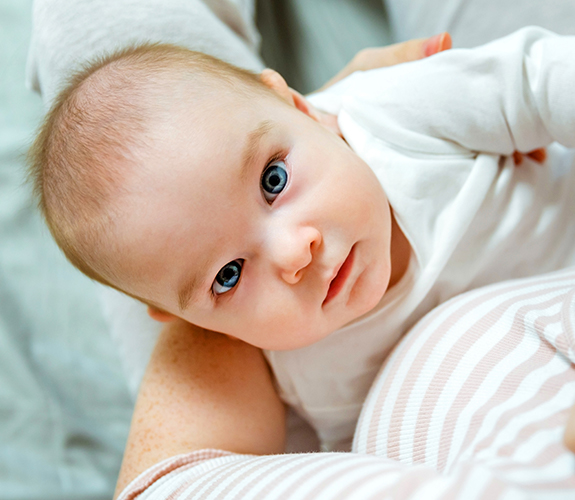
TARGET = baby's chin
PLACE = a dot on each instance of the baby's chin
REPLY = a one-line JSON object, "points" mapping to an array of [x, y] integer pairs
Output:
{"points": [[372, 301], [305, 337], [292, 337], [313, 327]]}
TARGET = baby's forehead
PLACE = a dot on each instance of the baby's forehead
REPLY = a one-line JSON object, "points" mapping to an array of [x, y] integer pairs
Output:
{"points": [[214, 162]]}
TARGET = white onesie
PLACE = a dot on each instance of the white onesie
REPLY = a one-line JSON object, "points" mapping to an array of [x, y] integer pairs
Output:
{"points": [[439, 133]]}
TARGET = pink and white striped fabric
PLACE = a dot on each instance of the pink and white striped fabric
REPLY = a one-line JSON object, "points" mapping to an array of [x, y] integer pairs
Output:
{"points": [[471, 405]]}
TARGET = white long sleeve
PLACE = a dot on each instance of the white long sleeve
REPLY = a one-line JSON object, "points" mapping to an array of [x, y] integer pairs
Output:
{"points": [[517, 93]]}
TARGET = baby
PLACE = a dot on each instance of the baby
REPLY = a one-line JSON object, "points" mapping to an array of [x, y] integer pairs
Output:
{"points": [[227, 199]]}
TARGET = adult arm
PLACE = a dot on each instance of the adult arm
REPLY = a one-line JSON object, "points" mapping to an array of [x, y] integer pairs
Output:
{"points": [[204, 393], [202, 390]]}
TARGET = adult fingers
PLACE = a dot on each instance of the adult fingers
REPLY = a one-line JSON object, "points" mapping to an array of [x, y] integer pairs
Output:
{"points": [[412, 50]]}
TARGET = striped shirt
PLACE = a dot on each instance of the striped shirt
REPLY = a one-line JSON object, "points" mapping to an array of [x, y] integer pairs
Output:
{"points": [[472, 404]]}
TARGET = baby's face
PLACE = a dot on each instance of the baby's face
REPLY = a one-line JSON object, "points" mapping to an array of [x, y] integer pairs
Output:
{"points": [[252, 219]]}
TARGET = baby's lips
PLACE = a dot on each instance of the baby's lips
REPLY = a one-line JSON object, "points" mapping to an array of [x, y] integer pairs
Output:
{"points": [[437, 43]]}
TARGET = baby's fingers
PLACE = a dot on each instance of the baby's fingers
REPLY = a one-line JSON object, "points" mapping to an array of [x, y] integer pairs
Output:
{"points": [[539, 155]]}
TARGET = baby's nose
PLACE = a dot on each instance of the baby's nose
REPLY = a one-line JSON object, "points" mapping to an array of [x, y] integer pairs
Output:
{"points": [[296, 253]]}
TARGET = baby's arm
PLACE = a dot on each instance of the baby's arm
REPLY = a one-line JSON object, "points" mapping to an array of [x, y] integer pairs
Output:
{"points": [[202, 390], [512, 94]]}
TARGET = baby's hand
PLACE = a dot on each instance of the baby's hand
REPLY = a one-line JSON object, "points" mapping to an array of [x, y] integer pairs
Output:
{"points": [[538, 155], [391, 55]]}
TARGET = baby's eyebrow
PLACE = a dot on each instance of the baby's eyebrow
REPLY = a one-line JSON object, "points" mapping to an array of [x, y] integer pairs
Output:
{"points": [[187, 291], [252, 146], [189, 288]]}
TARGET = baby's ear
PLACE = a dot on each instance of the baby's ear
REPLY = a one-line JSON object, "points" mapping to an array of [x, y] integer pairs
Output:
{"points": [[301, 103], [275, 81], [159, 315], [272, 79]]}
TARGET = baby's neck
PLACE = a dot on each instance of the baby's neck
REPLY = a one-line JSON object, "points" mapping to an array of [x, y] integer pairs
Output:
{"points": [[400, 252]]}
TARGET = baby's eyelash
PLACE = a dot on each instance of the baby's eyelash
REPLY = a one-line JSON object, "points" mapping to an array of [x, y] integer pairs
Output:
{"points": [[235, 277], [274, 178], [275, 157]]}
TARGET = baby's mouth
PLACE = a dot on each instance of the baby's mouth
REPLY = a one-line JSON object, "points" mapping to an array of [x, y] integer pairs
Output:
{"points": [[340, 278]]}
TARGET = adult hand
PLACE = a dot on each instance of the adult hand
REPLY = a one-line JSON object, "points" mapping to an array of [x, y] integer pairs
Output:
{"points": [[380, 57], [202, 390]]}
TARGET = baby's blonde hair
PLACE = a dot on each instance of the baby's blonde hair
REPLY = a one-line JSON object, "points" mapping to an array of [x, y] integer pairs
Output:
{"points": [[87, 140]]}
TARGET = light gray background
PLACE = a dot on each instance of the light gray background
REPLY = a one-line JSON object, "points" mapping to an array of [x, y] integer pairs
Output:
{"points": [[64, 405]]}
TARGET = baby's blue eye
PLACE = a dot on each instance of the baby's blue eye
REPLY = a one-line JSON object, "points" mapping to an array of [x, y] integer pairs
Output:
{"points": [[274, 180], [227, 277]]}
